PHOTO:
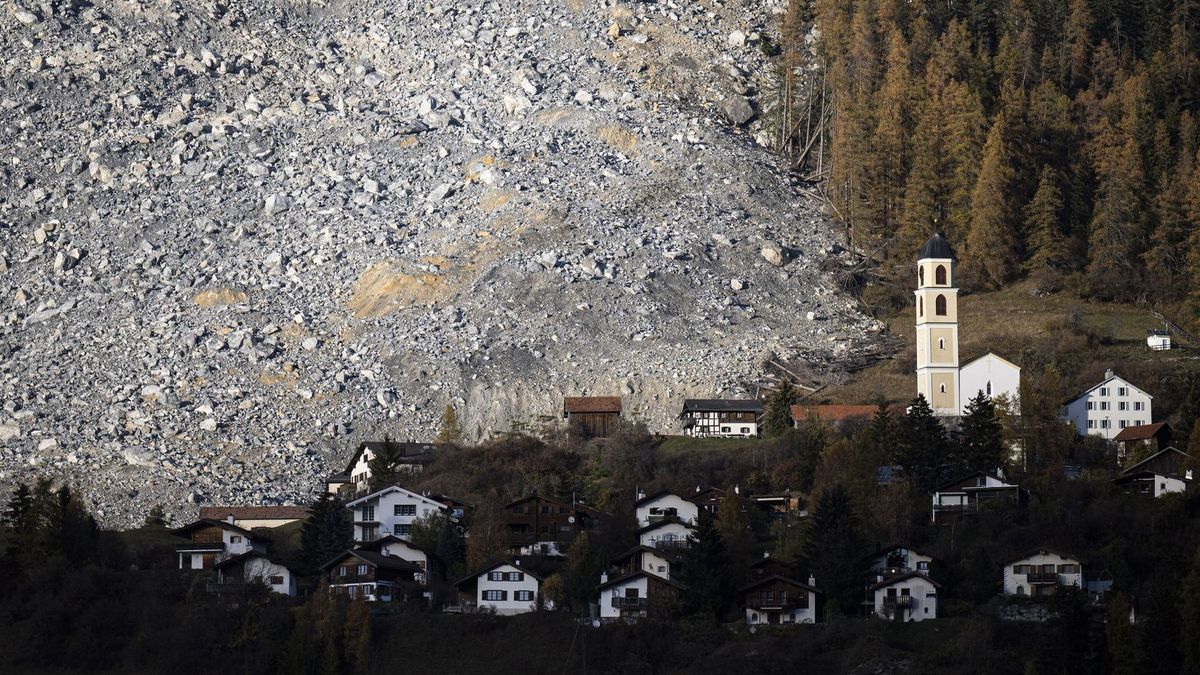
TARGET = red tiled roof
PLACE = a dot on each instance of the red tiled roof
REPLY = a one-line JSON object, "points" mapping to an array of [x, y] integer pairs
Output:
{"points": [[254, 512], [592, 404], [841, 413], [1141, 432]]}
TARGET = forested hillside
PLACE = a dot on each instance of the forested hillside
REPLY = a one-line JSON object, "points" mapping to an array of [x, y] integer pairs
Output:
{"points": [[1043, 137]]}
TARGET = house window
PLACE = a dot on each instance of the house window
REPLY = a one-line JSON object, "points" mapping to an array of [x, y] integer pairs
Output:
{"points": [[514, 576], [368, 513], [1091, 405], [523, 596], [1122, 391], [745, 430], [989, 389], [1091, 424], [1104, 391], [1068, 569], [939, 275], [344, 570], [495, 576], [1138, 405], [939, 305], [495, 596], [545, 508], [235, 539], [1105, 424], [1124, 424], [401, 530], [404, 510], [362, 570], [519, 509], [1122, 405], [724, 430], [352, 591], [1104, 405], [923, 565], [276, 580]]}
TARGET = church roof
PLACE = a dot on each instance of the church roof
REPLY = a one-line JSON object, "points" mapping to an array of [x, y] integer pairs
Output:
{"points": [[936, 247]]}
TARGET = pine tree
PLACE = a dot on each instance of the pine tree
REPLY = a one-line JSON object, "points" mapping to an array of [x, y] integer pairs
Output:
{"points": [[705, 570], [921, 449], [734, 525], [1192, 202], [834, 536], [17, 514], [1078, 43], [993, 247], [326, 533], [451, 431], [888, 166], [389, 465], [157, 517], [1166, 261], [778, 417], [983, 447], [1043, 222], [1117, 228], [357, 636]]}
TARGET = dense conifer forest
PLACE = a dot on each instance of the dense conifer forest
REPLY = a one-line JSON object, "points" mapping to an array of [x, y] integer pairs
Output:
{"points": [[1054, 139]]}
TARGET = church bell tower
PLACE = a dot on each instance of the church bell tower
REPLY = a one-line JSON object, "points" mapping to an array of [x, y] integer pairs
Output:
{"points": [[937, 326]]}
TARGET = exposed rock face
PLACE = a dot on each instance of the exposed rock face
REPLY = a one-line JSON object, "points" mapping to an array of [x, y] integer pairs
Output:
{"points": [[237, 237]]}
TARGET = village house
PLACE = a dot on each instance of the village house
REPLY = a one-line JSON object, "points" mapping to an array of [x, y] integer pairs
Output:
{"points": [[1042, 573], [211, 541], [1168, 471], [391, 510], [767, 566], [704, 418], [979, 490], [641, 559], [1142, 440], [537, 525], [666, 535], [841, 416], [373, 576], [892, 561], [662, 506], [503, 588], [1107, 408], [911, 596], [637, 596], [356, 478], [255, 567], [709, 499], [395, 547], [250, 517], [776, 600], [593, 416]]}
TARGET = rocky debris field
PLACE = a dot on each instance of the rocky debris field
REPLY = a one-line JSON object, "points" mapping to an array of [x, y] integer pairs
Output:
{"points": [[236, 237]]}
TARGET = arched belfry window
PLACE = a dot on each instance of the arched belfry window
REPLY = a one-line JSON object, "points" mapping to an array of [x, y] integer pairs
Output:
{"points": [[920, 275], [939, 275], [939, 305]]}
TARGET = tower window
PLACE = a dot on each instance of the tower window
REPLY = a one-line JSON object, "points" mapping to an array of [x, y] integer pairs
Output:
{"points": [[939, 275], [920, 306], [989, 389], [939, 305], [920, 275], [941, 343], [942, 388]]}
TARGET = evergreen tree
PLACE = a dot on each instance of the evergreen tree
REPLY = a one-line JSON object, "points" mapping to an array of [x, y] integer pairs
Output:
{"points": [[983, 447], [18, 512], [585, 562], [326, 533], [993, 247], [451, 430], [389, 465], [1117, 226], [157, 517], [882, 433], [778, 417], [357, 636], [734, 525], [1167, 258], [834, 537], [1043, 222], [705, 570], [1119, 634], [921, 449]]}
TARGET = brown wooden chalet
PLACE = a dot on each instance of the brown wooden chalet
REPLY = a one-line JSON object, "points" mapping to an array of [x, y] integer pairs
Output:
{"points": [[779, 600], [639, 595], [211, 541], [1167, 471], [969, 494], [541, 520], [1141, 440], [595, 416], [373, 576], [708, 499], [767, 566]]}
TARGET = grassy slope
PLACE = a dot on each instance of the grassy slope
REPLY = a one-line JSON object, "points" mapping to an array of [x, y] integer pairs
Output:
{"points": [[1080, 338]]}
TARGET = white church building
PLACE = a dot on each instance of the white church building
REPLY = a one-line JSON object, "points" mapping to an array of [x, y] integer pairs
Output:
{"points": [[948, 386]]}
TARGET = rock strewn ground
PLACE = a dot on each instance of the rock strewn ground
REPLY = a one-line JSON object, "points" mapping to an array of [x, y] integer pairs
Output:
{"points": [[236, 237]]}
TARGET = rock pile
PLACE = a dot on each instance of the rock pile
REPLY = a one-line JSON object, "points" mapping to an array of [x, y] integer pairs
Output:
{"points": [[237, 236]]}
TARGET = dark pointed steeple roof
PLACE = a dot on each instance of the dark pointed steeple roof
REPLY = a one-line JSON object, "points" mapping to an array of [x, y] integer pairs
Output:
{"points": [[936, 247]]}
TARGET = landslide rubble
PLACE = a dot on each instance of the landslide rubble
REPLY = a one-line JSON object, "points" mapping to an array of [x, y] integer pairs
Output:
{"points": [[236, 237]]}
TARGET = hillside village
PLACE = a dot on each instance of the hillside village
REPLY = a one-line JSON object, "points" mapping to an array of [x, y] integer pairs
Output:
{"points": [[806, 547]]}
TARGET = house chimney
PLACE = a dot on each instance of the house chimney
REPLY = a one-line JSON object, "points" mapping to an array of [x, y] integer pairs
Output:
{"points": [[812, 581], [517, 562], [697, 489], [641, 494], [766, 554], [230, 519], [604, 577], [737, 489], [1108, 373]]}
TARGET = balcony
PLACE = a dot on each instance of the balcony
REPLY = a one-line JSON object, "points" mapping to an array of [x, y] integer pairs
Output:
{"points": [[776, 601], [972, 507], [201, 547], [671, 544], [1042, 578], [893, 602], [622, 602]]}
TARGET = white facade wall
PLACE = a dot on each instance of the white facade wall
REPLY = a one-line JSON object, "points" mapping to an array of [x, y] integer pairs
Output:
{"points": [[394, 509], [360, 474], [1018, 584], [509, 589], [923, 594], [405, 551], [994, 377], [658, 507], [806, 615], [607, 609], [912, 560], [709, 425], [264, 522], [1166, 485], [1108, 408], [668, 532], [277, 577], [656, 564]]}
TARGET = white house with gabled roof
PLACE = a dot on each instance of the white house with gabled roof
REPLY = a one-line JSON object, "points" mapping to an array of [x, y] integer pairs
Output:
{"points": [[504, 588], [391, 510], [1108, 407], [664, 506], [670, 534], [994, 377], [1042, 573]]}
